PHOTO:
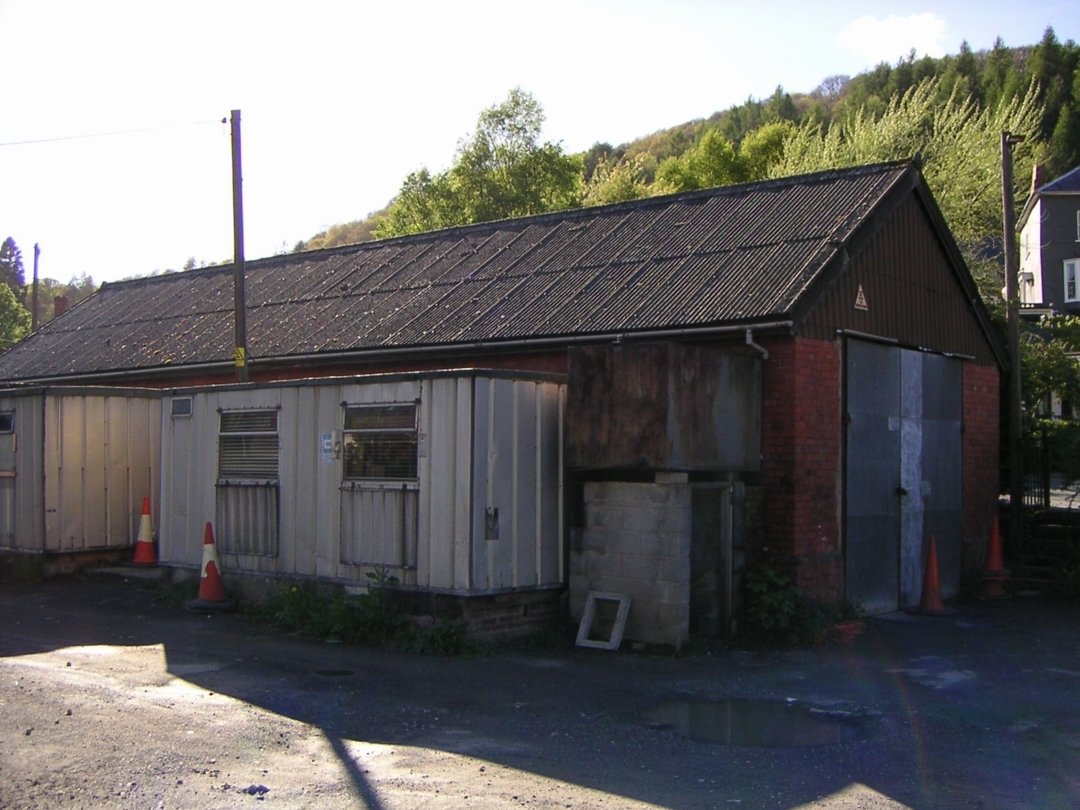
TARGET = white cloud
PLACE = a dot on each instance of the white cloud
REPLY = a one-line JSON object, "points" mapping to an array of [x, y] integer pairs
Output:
{"points": [[890, 39]]}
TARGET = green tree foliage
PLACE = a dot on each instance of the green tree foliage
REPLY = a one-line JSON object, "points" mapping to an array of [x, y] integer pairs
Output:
{"points": [[347, 233], [11, 268], [502, 171], [1048, 363], [14, 319], [617, 181], [959, 142], [711, 162]]}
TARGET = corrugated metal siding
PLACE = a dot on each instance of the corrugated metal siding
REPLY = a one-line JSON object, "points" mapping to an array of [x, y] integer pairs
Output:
{"points": [[22, 507], [247, 517], [379, 525], [433, 532], [911, 296], [100, 458]]}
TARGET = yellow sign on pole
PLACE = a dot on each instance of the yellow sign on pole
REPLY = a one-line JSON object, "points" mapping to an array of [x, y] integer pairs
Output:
{"points": [[241, 357]]}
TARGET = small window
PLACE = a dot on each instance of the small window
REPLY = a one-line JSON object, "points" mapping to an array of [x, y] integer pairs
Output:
{"points": [[380, 442], [248, 445], [181, 406], [7, 422], [1072, 277]]}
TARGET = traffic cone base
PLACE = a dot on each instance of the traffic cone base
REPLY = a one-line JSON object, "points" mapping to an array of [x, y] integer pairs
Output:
{"points": [[144, 544], [212, 595], [931, 603]]}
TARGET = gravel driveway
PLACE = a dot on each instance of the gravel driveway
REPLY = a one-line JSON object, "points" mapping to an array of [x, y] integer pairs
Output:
{"points": [[110, 697]]}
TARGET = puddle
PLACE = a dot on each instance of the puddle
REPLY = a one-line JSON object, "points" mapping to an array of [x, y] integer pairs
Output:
{"points": [[763, 723]]}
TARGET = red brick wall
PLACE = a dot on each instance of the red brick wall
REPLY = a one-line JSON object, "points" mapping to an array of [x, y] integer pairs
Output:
{"points": [[981, 446], [802, 443]]}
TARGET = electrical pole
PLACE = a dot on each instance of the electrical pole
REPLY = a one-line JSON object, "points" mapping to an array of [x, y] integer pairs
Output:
{"points": [[1012, 299], [34, 294], [239, 297]]}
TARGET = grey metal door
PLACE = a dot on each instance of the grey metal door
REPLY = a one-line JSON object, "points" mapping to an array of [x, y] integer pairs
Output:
{"points": [[903, 475]]}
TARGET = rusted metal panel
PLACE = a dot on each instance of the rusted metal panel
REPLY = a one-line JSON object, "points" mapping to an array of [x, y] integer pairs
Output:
{"points": [[663, 406]]}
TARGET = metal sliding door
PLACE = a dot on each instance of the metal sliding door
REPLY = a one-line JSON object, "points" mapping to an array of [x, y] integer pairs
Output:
{"points": [[903, 473]]}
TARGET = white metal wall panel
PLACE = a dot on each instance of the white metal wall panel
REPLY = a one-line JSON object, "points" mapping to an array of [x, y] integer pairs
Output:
{"points": [[511, 447], [378, 525], [101, 459], [445, 483], [517, 484], [26, 511]]}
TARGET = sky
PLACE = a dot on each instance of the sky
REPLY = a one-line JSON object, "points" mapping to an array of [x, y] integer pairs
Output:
{"points": [[115, 160]]}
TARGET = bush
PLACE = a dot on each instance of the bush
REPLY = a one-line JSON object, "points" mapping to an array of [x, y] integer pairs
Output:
{"points": [[778, 612]]}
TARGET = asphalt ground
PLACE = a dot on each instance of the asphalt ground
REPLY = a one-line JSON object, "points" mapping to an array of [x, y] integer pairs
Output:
{"points": [[110, 696]]}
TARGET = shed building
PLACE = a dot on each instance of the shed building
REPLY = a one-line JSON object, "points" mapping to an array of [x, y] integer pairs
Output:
{"points": [[799, 369]]}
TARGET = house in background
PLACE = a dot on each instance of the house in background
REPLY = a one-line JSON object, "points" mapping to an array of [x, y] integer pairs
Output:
{"points": [[1050, 245], [641, 398], [1050, 254]]}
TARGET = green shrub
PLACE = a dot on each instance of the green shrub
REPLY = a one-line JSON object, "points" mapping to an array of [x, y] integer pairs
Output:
{"points": [[371, 619]]}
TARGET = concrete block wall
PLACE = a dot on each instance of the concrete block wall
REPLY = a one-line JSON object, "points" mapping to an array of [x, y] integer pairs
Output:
{"points": [[636, 541]]}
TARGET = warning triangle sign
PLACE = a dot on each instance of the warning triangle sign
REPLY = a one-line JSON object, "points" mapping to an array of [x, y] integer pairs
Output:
{"points": [[860, 300]]}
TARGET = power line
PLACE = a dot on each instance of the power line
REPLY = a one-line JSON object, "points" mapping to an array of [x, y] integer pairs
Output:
{"points": [[109, 134]]}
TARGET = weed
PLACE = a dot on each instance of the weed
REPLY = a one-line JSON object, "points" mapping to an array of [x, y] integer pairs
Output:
{"points": [[778, 612], [371, 619]]}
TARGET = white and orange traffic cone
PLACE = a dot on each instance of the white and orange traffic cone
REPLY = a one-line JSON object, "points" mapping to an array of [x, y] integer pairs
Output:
{"points": [[144, 544], [931, 603], [995, 574], [211, 591]]}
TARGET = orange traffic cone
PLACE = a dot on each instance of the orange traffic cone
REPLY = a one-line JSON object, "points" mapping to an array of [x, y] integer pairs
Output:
{"points": [[211, 591], [995, 575], [144, 544], [931, 604]]}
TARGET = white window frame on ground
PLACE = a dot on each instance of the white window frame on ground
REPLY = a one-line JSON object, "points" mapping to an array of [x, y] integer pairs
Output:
{"points": [[1072, 280], [380, 442], [248, 445]]}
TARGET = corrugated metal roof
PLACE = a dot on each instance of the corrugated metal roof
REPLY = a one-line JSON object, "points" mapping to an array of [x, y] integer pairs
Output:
{"points": [[739, 254]]}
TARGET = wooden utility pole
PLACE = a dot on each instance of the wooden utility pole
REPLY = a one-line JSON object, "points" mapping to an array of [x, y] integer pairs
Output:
{"points": [[239, 297], [34, 293], [1012, 299]]}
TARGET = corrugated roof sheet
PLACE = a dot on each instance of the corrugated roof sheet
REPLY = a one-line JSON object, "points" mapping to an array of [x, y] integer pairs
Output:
{"points": [[738, 254]]}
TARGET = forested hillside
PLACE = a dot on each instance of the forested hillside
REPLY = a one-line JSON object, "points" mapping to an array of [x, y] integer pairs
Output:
{"points": [[503, 170]]}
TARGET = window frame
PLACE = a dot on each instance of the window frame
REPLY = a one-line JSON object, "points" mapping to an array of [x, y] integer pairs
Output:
{"points": [[353, 436], [253, 438], [7, 423], [1071, 267]]}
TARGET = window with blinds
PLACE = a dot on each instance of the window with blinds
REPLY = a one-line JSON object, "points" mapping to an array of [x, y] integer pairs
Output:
{"points": [[380, 442], [248, 445]]}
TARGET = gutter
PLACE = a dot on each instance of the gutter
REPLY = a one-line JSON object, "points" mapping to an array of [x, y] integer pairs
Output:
{"points": [[405, 351]]}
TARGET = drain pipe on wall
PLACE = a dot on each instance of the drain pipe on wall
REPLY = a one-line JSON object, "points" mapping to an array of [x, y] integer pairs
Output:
{"points": [[756, 346]]}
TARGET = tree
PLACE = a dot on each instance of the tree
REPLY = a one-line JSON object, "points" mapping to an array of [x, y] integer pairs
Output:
{"points": [[711, 162], [613, 182], [11, 268], [502, 171], [14, 319]]}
